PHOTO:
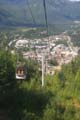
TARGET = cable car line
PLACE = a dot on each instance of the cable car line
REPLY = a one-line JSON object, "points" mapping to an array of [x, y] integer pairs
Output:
{"points": [[46, 20], [45, 12], [33, 18], [20, 71], [20, 68]]}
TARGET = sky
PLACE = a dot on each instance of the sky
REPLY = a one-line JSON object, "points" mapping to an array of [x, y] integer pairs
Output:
{"points": [[74, 0]]}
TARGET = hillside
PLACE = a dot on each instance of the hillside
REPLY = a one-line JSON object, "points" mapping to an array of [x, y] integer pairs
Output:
{"points": [[59, 99], [17, 12]]}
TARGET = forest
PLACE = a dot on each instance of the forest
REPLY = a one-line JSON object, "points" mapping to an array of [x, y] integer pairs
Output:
{"points": [[59, 99]]}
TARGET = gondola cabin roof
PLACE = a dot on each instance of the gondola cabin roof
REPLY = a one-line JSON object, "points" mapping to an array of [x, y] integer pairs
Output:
{"points": [[20, 72]]}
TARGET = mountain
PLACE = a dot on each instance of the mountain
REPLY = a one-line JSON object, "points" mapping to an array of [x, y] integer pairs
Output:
{"points": [[17, 12]]}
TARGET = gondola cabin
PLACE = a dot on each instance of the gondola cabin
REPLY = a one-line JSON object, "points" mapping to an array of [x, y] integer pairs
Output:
{"points": [[20, 72]]}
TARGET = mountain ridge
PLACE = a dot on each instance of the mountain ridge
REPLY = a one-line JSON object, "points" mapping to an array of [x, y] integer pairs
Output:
{"points": [[17, 12]]}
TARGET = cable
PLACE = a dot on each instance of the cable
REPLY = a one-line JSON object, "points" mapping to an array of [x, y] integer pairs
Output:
{"points": [[46, 20], [45, 12], [34, 21], [33, 18]]}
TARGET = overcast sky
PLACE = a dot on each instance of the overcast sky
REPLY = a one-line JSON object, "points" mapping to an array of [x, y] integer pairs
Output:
{"points": [[74, 0]]}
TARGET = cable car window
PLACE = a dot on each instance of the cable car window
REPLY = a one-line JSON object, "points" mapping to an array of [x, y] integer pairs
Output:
{"points": [[20, 72]]}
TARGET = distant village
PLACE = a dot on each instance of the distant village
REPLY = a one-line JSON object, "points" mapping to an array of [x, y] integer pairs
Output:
{"points": [[52, 48]]}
